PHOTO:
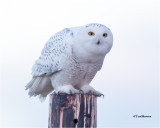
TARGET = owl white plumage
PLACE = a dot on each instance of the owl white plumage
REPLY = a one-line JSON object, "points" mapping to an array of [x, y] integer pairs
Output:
{"points": [[69, 61]]}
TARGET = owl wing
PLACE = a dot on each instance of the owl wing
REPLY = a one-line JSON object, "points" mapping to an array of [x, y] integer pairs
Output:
{"points": [[53, 55]]}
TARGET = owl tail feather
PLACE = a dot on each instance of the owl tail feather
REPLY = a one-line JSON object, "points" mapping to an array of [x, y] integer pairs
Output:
{"points": [[30, 84], [40, 86]]}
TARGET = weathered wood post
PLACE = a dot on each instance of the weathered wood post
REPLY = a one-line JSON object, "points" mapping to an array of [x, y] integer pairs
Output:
{"points": [[74, 111]]}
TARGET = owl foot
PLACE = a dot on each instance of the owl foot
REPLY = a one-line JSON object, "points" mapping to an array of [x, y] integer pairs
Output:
{"points": [[67, 89], [87, 89]]}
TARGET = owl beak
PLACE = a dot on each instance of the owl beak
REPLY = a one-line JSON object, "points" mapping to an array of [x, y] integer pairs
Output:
{"points": [[98, 42]]}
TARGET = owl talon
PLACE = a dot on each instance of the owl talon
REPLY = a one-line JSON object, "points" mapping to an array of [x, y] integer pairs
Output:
{"points": [[70, 91], [90, 92], [87, 89], [61, 93], [67, 89], [102, 95], [99, 95], [81, 91]]}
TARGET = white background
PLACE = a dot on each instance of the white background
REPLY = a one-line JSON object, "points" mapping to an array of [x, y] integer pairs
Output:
{"points": [[129, 78]]}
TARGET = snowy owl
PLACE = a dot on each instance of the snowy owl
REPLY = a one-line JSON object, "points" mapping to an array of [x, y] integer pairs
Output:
{"points": [[69, 61]]}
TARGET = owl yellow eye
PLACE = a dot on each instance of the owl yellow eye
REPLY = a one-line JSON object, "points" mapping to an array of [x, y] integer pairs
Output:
{"points": [[105, 35], [91, 33]]}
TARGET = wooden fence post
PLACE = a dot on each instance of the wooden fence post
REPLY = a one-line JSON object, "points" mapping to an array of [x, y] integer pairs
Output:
{"points": [[74, 110]]}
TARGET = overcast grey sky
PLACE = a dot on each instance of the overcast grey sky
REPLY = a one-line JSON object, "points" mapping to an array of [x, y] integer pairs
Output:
{"points": [[129, 76]]}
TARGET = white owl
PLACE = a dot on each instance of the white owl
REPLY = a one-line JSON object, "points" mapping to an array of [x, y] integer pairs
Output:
{"points": [[69, 61]]}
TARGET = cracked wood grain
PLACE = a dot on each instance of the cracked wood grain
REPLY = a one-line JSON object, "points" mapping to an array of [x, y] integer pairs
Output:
{"points": [[76, 111]]}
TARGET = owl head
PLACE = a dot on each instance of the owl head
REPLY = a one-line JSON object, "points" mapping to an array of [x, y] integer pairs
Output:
{"points": [[92, 40]]}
